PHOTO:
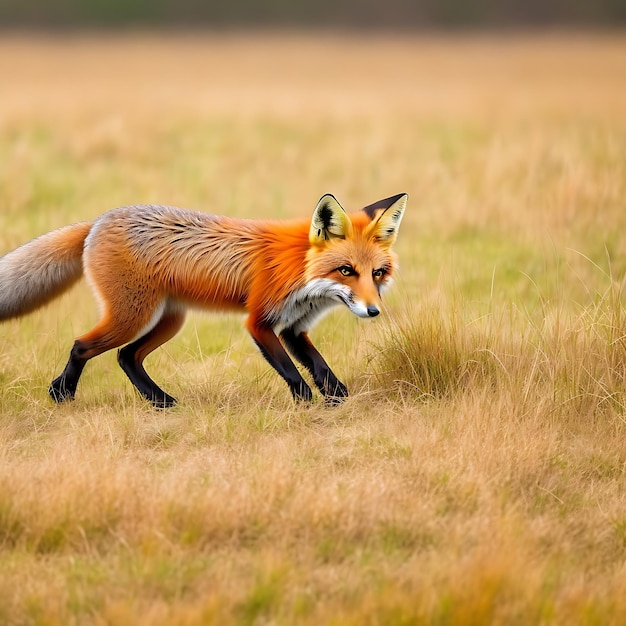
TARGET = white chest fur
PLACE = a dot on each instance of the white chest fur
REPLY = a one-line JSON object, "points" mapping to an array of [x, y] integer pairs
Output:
{"points": [[304, 308]]}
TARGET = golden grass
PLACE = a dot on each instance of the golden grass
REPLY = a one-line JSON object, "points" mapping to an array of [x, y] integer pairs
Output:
{"points": [[477, 474]]}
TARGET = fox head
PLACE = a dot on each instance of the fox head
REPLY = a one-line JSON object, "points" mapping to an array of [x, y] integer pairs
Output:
{"points": [[350, 254]]}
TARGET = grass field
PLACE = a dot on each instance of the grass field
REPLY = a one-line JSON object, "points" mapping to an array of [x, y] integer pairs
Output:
{"points": [[478, 472]]}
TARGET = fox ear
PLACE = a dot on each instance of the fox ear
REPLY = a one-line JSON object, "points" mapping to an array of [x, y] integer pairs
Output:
{"points": [[386, 216], [329, 221]]}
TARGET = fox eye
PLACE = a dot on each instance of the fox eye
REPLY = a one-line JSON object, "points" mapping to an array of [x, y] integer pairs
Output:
{"points": [[379, 273], [346, 270]]}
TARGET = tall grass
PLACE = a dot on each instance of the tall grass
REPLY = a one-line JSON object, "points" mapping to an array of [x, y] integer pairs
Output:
{"points": [[476, 474], [575, 359]]}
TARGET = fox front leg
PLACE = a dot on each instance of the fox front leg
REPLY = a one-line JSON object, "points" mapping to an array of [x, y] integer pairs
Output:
{"points": [[275, 354], [305, 352]]}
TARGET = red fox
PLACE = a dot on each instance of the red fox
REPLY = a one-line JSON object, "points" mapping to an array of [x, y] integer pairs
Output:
{"points": [[147, 264]]}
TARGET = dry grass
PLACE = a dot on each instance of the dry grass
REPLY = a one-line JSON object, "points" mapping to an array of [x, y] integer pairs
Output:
{"points": [[477, 475]]}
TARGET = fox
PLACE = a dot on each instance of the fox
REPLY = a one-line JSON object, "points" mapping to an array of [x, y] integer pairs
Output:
{"points": [[148, 264]]}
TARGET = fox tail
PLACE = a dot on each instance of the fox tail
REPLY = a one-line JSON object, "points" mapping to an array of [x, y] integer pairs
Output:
{"points": [[40, 270]]}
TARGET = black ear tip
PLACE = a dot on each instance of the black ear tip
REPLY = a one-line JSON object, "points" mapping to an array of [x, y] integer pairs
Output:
{"points": [[383, 204]]}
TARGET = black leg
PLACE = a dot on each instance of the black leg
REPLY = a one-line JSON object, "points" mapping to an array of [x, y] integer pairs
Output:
{"points": [[140, 379], [305, 352], [273, 351], [64, 386], [131, 358]]}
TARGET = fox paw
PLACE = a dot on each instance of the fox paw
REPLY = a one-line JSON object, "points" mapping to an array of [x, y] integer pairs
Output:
{"points": [[336, 394], [164, 401], [59, 392]]}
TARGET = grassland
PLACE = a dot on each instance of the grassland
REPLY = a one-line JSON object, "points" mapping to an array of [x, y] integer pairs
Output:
{"points": [[478, 472]]}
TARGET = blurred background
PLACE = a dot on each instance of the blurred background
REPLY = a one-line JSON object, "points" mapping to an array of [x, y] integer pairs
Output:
{"points": [[368, 14]]}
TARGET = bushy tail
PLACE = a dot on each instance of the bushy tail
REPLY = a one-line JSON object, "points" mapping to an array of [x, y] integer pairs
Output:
{"points": [[41, 270]]}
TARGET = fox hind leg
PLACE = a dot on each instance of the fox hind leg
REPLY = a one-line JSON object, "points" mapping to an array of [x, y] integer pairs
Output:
{"points": [[106, 335], [63, 387], [114, 330], [131, 357]]}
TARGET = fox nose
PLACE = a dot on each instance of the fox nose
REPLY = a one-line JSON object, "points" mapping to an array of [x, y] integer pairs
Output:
{"points": [[372, 311]]}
